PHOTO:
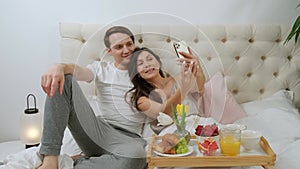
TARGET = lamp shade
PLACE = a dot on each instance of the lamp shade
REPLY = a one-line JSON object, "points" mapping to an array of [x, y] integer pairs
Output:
{"points": [[31, 124]]}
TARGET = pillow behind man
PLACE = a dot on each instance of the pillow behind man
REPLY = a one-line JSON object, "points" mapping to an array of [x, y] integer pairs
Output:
{"points": [[218, 101]]}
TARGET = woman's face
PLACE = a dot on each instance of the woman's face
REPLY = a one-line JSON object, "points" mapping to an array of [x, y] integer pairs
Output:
{"points": [[147, 65]]}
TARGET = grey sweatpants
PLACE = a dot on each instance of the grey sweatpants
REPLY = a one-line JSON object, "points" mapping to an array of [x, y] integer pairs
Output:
{"points": [[105, 146]]}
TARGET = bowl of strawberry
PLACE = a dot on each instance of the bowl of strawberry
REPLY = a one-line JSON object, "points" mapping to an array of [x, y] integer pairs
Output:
{"points": [[210, 132]]}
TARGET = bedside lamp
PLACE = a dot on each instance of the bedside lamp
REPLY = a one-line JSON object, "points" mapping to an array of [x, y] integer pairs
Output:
{"points": [[31, 125]]}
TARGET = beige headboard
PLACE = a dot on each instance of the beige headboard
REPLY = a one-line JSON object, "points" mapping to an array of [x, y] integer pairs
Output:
{"points": [[252, 57]]}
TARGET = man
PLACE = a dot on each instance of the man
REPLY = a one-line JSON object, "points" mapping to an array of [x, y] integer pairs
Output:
{"points": [[112, 141]]}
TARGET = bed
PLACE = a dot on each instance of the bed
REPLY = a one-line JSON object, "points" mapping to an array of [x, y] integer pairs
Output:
{"points": [[261, 74]]}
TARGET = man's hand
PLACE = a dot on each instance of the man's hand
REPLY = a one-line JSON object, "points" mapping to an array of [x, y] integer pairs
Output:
{"points": [[53, 77]]}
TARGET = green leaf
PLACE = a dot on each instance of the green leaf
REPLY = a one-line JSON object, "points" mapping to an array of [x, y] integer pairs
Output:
{"points": [[297, 34], [294, 32], [174, 114], [296, 24], [183, 115]]}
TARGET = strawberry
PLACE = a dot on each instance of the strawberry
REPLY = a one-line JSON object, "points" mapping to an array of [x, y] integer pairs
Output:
{"points": [[207, 131]]}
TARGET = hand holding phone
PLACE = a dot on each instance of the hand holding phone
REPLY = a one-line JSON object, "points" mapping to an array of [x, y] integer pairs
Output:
{"points": [[180, 46]]}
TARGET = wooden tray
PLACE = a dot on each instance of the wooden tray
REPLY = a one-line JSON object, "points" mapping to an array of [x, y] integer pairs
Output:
{"points": [[266, 160]]}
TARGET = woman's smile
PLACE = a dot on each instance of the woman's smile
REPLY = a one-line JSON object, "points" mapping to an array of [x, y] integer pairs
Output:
{"points": [[149, 70]]}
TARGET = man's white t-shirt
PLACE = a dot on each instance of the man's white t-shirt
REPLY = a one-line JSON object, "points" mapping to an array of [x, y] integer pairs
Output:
{"points": [[111, 85]]}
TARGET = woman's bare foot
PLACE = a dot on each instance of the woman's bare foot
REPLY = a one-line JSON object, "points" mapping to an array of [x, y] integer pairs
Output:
{"points": [[49, 162]]}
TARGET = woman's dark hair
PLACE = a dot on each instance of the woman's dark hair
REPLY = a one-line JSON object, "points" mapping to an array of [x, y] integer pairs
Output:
{"points": [[140, 86], [117, 29]]}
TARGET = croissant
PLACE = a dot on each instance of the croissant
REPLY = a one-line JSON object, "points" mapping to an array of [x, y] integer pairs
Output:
{"points": [[167, 145]]}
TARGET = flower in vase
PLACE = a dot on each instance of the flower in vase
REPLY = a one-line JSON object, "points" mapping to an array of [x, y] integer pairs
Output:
{"points": [[180, 108], [179, 119], [180, 114]]}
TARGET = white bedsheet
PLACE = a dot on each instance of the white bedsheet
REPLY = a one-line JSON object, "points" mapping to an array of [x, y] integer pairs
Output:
{"points": [[30, 159], [286, 147], [10, 147]]}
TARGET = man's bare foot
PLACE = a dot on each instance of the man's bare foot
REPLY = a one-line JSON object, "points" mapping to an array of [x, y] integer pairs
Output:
{"points": [[49, 162], [75, 157]]}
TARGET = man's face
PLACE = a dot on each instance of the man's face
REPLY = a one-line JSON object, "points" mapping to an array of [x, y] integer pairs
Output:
{"points": [[121, 48]]}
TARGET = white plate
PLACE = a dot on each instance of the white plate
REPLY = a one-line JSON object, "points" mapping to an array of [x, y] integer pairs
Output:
{"points": [[191, 149]]}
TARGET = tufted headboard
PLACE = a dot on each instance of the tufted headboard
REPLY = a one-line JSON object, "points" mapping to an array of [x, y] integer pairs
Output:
{"points": [[252, 57]]}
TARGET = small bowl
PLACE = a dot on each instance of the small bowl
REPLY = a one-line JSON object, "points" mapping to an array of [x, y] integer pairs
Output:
{"points": [[201, 139], [250, 139]]}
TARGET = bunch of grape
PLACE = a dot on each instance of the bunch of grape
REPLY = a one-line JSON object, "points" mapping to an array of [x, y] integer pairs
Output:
{"points": [[181, 147]]}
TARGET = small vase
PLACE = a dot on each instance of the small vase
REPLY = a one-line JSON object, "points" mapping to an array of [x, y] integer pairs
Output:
{"points": [[182, 132]]}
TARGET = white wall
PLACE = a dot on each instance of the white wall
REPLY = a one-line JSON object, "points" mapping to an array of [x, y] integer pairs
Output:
{"points": [[29, 37]]}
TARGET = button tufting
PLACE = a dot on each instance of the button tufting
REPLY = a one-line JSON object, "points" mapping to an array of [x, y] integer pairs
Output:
{"points": [[209, 58], [249, 74], [251, 40], [275, 74], [141, 40], [237, 57], [289, 57], [168, 40], [224, 40], [261, 91], [196, 40], [82, 40], [277, 40], [235, 91], [263, 57]]}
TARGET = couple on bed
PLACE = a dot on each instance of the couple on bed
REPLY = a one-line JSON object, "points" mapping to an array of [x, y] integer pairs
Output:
{"points": [[112, 140]]}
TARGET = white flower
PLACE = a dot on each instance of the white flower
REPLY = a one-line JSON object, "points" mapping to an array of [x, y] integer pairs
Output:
{"points": [[164, 119]]}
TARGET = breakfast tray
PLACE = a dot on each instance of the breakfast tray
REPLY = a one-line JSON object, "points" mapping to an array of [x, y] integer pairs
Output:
{"points": [[265, 159]]}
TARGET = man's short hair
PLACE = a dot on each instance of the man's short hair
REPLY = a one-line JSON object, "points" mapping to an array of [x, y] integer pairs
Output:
{"points": [[116, 29]]}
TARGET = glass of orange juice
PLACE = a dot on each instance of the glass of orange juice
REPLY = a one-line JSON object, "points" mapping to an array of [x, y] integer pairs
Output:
{"points": [[230, 141]]}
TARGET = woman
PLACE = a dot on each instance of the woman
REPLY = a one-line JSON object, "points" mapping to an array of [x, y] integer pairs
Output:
{"points": [[153, 92]]}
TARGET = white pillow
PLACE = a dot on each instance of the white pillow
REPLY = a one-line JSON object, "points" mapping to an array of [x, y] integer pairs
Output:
{"points": [[282, 99]]}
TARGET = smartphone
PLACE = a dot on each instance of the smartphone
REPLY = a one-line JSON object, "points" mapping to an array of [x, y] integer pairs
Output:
{"points": [[180, 46]]}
